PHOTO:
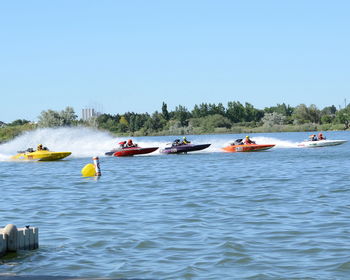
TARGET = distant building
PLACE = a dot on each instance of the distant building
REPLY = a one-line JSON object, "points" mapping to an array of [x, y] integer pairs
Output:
{"points": [[88, 113]]}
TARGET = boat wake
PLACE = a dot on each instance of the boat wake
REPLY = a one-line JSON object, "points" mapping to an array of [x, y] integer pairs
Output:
{"points": [[278, 142], [82, 142], [87, 142], [218, 143]]}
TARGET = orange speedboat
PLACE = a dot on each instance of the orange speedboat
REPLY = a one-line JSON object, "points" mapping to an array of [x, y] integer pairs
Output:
{"points": [[239, 146]]}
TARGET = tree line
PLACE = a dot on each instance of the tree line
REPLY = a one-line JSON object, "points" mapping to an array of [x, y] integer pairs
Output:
{"points": [[235, 117]]}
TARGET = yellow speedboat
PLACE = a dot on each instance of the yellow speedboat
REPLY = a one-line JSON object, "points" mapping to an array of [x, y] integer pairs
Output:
{"points": [[43, 155]]}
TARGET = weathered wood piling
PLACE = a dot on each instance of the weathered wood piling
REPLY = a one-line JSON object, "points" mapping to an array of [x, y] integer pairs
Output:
{"points": [[13, 239]]}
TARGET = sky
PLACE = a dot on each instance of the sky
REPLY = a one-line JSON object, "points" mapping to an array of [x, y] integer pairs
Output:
{"points": [[120, 56]]}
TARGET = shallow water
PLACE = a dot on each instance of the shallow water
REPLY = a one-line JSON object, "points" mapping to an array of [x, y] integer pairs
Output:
{"points": [[278, 214]]}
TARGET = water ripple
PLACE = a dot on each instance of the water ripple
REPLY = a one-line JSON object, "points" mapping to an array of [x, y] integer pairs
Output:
{"points": [[282, 214]]}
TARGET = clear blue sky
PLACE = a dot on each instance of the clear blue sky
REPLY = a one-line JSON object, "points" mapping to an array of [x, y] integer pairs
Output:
{"points": [[133, 55]]}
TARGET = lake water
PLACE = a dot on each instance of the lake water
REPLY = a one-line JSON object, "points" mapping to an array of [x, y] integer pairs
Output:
{"points": [[278, 214]]}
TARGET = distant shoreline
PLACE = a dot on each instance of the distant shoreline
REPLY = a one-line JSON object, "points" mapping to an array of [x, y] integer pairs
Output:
{"points": [[205, 118], [9, 133]]}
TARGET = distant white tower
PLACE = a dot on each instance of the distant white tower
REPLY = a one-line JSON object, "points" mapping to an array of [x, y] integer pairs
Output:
{"points": [[88, 113]]}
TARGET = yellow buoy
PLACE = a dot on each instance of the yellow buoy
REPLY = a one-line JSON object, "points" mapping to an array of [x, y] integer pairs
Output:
{"points": [[88, 170]]}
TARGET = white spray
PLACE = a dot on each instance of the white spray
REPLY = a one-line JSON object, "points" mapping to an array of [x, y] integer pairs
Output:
{"points": [[87, 142]]}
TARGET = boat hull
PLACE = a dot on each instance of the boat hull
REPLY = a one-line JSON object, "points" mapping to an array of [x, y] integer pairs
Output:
{"points": [[321, 143], [248, 148], [41, 156], [127, 152], [181, 149]]}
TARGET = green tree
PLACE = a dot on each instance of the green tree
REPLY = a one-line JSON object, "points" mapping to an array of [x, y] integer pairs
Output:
{"points": [[303, 114], [165, 112], [214, 109], [182, 114], [123, 121], [200, 111], [108, 122], [271, 119], [111, 125], [330, 110], [235, 112], [155, 123], [327, 119], [196, 113], [215, 121], [314, 113], [343, 117], [252, 114], [68, 116], [51, 118], [328, 114], [18, 122], [282, 109]]}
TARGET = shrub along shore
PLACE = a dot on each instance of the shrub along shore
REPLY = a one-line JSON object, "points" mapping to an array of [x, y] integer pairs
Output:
{"points": [[202, 119]]}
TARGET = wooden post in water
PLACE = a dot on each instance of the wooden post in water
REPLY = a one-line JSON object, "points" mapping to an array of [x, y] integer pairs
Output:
{"points": [[13, 239]]}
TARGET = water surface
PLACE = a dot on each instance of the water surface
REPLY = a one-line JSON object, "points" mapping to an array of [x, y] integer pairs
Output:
{"points": [[278, 214]]}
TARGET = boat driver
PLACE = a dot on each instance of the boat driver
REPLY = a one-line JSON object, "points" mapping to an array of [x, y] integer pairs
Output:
{"points": [[40, 147], [130, 143], [313, 137], [321, 137], [248, 141], [185, 141]]}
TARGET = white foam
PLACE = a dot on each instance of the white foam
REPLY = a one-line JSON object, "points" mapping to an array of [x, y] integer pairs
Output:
{"points": [[80, 141], [278, 142], [218, 143], [87, 142]]}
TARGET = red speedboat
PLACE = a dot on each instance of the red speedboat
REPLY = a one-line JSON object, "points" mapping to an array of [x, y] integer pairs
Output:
{"points": [[127, 149], [130, 151]]}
